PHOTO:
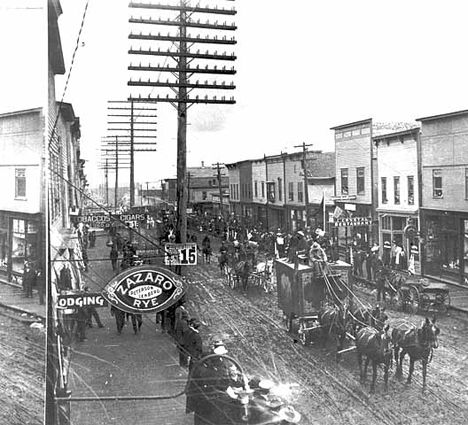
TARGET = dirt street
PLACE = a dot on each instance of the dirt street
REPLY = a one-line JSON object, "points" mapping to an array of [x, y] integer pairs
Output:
{"points": [[327, 392], [22, 372]]}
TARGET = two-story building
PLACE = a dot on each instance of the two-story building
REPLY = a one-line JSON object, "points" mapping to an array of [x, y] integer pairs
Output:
{"points": [[22, 206], [398, 191], [444, 203]]}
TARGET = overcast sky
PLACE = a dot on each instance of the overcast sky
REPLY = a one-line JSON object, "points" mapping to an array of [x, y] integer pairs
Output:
{"points": [[303, 67]]}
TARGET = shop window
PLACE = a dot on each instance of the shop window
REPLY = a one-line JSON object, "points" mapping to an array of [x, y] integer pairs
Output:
{"points": [[396, 190], [399, 223], [280, 189], [344, 181], [256, 189], [465, 250], [291, 191], [360, 180], [410, 190], [20, 182], [437, 191], [386, 222], [384, 190], [300, 192]]}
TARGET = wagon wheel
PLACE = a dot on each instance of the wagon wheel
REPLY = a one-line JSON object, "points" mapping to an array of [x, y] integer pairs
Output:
{"points": [[400, 300], [425, 302], [413, 300], [443, 302]]}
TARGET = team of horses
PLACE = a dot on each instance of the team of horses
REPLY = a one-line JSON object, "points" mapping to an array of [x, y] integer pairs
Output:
{"points": [[376, 343]]}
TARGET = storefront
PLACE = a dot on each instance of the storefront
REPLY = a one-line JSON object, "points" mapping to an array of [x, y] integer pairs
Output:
{"points": [[402, 230], [20, 240], [445, 252]]}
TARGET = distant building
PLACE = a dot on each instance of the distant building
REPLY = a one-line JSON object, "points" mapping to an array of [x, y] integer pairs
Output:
{"points": [[444, 208]]}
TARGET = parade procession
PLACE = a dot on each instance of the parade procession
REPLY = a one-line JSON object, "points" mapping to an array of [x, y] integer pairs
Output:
{"points": [[228, 212]]}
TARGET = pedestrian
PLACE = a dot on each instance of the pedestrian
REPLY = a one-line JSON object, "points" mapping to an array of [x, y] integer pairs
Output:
{"points": [[29, 277], [193, 342], [386, 256], [279, 244], [84, 254], [114, 255], [119, 318], [41, 285], [81, 317], [92, 239], [180, 334], [137, 321], [92, 313]]}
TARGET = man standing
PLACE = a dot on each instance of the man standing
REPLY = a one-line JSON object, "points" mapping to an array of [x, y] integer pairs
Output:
{"points": [[119, 318], [114, 255], [193, 342], [181, 330]]}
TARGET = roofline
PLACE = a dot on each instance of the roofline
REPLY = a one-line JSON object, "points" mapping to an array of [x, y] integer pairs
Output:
{"points": [[397, 133], [22, 112], [351, 124], [449, 114]]}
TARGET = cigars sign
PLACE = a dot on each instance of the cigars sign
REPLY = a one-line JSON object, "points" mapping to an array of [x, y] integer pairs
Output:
{"points": [[144, 289]]}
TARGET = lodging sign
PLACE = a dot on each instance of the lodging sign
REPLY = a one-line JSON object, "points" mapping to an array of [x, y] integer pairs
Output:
{"points": [[180, 254], [353, 221], [82, 299], [144, 289]]}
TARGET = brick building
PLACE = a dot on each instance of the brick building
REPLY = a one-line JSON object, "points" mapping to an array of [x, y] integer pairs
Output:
{"points": [[444, 207]]}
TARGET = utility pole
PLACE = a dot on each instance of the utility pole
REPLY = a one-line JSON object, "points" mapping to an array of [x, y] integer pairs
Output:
{"points": [[116, 170], [182, 17], [135, 127], [218, 175], [267, 194], [106, 173], [306, 188], [188, 188]]}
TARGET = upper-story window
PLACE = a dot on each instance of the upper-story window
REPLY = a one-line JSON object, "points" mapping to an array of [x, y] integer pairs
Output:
{"points": [[300, 192], [437, 191], [280, 189], [466, 183], [271, 191], [384, 189], [344, 181], [263, 189], [256, 189], [20, 182], [410, 190], [291, 191], [396, 190], [360, 180]]}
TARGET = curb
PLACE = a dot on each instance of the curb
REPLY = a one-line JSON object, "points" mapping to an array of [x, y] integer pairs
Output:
{"points": [[22, 311]]}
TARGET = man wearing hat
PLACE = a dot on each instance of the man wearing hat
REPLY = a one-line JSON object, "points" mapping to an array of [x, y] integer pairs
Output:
{"points": [[193, 342], [279, 244], [180, 333], [210, 392]]}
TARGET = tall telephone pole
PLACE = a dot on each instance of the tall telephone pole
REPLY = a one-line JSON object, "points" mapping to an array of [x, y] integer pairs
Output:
{"points": [[219, 175], [304, 147], [181, 50]]}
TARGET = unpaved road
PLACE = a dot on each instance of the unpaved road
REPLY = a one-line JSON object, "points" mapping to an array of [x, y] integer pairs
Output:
{"points": [[22, 372], [327, 392]]}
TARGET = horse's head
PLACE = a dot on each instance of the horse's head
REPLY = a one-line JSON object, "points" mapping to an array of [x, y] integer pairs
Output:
{"points": [[378, 317], [386, 343], [430, 332]]}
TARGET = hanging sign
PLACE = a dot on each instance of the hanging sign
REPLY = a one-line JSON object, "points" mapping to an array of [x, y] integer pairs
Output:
{"points": [[180, 254], [144, 289], [353, 221], [83, 299]]}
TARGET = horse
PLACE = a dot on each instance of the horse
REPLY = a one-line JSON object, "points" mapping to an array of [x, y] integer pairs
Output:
{"points": [[242, 270], [376, 346], [334, 321], [418, 343]]}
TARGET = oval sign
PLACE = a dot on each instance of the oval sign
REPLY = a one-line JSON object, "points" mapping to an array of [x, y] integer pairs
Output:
{"points": [[144, 289]]}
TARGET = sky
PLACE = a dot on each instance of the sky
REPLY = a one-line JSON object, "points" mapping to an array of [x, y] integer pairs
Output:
{"points": [[303, 67]]}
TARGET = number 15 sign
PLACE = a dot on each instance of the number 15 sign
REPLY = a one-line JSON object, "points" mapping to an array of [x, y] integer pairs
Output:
{"points": [[184, 254]]}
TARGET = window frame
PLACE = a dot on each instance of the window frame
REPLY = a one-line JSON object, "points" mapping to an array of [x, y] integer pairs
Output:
{"points": [[291, 191], [396, 190], [384, 190], [342, 177], [362, 180], [435, 195], [410, 183], [18, 179], [300, 193]]}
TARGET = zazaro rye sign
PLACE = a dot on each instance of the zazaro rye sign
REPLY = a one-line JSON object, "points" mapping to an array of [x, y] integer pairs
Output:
{"points": [[144, 289]]}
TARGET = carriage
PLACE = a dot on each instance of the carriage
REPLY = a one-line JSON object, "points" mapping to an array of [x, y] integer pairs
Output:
{"points": [[304, 290], [419, 295]]}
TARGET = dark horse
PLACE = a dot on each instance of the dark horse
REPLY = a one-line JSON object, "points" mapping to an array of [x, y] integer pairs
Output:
{"points": [[363, 316], [376, 346], [242, 270], [418, 343], [334, 321]]}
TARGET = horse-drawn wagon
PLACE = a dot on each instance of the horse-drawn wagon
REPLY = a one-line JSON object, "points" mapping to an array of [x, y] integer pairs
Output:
{"points": [[304, 290], [419, 294]]}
